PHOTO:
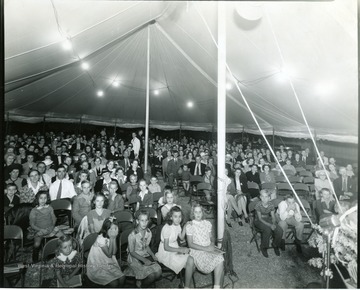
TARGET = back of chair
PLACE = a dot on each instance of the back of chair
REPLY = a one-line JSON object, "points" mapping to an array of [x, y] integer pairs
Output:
{"points": [[13, 233], [310, 167], [268, 185], [301, 187], [203, 186], [300, 169], [308, 180], [284, 186], [49, 249], [124, 216], [252, 185], [280, 179], [294, 179], [61, 204], [123, 187], [305, 173], [157, 196], [252, 205], [86, 246], [289, 172], [195, 179]]}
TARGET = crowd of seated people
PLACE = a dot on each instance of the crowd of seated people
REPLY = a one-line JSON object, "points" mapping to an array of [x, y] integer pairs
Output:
{"points": [[103, 174]]}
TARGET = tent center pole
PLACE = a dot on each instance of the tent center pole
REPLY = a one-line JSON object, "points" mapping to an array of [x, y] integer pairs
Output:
{"points": [[147, 104], [221, 119]]}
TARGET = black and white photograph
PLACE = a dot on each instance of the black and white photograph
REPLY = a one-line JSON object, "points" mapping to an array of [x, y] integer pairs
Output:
{"points": [[180, 144]]}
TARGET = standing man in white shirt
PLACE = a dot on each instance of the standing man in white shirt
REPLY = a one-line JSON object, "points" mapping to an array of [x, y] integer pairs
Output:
{"points": [[136, 145], [61, 187], [289, 213]]}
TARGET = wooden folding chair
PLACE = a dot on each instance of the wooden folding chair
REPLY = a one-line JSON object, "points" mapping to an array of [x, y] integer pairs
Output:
{"points": [[86, 246], [305, 173], [253, 189], [294, 179], [302, 189], [283, 189], [13, 233], [156, 197], [309, 180], [280, 179]]}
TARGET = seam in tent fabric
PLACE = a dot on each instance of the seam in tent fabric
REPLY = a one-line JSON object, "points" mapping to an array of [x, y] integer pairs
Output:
{"points": [[302, 112], [199, 68]]}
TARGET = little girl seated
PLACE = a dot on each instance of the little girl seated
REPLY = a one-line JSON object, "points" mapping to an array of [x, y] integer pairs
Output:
{"points": [[169, 197], [102, 267], [141, 259], [42, 222], [170, 253], [207, 257], [67, 262]]}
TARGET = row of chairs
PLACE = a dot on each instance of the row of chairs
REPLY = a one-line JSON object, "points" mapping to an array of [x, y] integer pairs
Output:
{"points": [[308, 230]]}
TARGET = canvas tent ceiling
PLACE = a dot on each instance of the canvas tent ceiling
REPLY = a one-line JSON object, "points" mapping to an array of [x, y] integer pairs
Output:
{"points": [[318, 41]]}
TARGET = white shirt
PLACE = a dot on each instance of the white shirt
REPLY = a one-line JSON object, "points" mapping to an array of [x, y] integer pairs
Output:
{"points": [[46, 178], [67, 189], [136, 145], [284, 213]]}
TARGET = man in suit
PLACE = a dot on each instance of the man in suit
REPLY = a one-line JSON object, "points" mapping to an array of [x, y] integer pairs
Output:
{"points": [[77, 146], [125, 161], [197, 168], [58, 157], [345, 186], [173, 167]]}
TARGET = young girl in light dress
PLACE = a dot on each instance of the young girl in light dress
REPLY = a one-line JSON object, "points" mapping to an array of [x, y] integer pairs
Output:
{"points": [[170, 253], [67, 262], [102, 267], [97, 215], [141, 259], [42, 222], [207, 257]]}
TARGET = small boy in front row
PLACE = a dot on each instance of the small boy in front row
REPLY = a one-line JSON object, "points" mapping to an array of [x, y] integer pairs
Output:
{"points": [[265, 222]]}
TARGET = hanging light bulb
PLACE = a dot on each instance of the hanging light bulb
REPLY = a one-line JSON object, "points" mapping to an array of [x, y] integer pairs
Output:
{"points": [[190, 104], [85, 66], [115, 83], [228, 86], [100, 93], [156, 92]]}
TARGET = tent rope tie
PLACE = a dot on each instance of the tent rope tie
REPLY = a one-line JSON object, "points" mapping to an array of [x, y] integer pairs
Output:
{"points": [[303, 115]]}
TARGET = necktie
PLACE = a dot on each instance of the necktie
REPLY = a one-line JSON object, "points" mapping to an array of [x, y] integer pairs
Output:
{"points": [[344, 185], [197, 172], [59, 190]]}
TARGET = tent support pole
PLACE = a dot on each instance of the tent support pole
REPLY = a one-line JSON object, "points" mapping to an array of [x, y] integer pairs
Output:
{"points": [[242, 135], [44, 123], [180, 133], [115, 129], [221, 119], [147, 103], [273, 139], [7, 129], [80, 125]]}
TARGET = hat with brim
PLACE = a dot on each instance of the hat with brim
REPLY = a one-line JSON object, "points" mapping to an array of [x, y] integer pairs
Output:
{"points": [[48, 162], [105, 170]]}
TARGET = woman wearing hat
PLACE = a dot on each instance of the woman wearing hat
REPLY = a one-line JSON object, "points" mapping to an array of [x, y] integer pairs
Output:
{"points": [[321, 182]]}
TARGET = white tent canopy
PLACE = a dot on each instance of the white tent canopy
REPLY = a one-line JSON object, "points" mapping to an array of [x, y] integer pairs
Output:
{"points": [[317, 41]]}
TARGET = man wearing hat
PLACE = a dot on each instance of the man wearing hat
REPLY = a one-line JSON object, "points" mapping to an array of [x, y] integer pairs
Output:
{"points": [[61, 187], [14, 172], [48, 162], [102, 185]]}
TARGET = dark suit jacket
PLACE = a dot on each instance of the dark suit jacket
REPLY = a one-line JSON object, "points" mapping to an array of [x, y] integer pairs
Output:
{"points": [[351, 186], [73, 147], [122, 164], [243, 184], [139, 173], [99, 185], [192, 166]]}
